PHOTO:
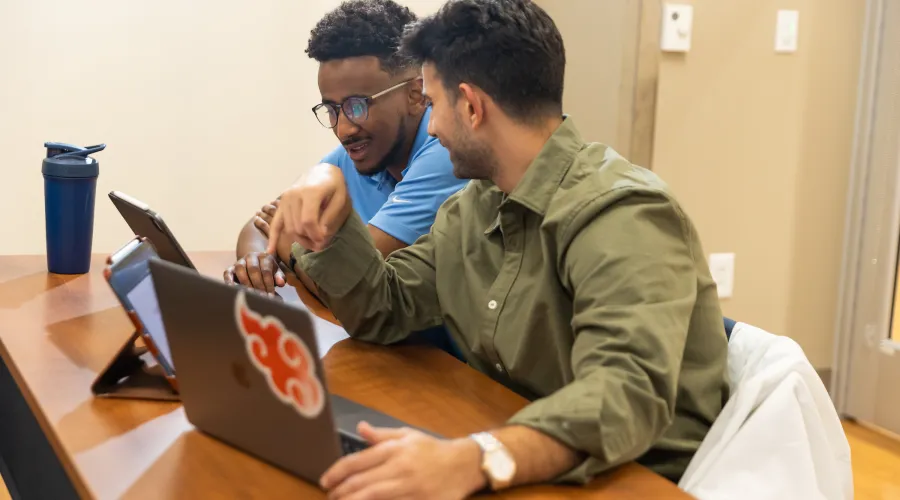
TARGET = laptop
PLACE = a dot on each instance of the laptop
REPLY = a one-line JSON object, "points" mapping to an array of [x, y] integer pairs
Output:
{"points": [[249, 373]]}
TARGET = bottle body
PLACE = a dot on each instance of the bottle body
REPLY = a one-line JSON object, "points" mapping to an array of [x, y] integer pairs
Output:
{"points": [[69, 220]]}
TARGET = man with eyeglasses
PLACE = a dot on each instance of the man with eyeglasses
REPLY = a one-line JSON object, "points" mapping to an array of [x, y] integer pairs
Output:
{"points": [[396, 174], [562, 270]]}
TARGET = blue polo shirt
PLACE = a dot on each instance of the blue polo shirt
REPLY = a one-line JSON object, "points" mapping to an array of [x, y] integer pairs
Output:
{"points": [[405, 209]]}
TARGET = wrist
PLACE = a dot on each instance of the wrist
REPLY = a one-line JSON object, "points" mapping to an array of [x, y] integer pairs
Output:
{"points": [[497, 462], [469, 456]]}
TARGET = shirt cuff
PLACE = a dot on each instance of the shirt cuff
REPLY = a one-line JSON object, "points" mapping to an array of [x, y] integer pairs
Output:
{"points": [[342, 265], [297, 251], [573, 430]]}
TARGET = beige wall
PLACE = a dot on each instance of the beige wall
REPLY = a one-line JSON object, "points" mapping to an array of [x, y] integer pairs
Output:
{"points": [[223, 84], [171, 87], [757, 146], [600, 41]]}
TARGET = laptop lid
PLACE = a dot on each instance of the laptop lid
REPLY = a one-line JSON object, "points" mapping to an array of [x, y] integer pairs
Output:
{"points": [[248, 370]]}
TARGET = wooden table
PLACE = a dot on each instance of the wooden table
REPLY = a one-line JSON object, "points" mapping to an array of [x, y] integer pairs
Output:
{"points": [[58, 332]]}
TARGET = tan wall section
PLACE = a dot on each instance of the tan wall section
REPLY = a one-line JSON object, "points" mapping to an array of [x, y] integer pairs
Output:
{"points": [[172, 87], [600, 45], [224, 84], [757, 147]]}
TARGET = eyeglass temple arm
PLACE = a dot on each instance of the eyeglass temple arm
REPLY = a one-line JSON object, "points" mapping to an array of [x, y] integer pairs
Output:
{"points": [[395, 87]]}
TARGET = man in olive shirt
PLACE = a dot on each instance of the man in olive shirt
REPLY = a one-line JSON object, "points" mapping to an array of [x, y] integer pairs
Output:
{"points": [[562, 271]]}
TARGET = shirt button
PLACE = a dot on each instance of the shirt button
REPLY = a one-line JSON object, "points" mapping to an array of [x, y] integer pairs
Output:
{"points": [[492, 305], [499, 367]]}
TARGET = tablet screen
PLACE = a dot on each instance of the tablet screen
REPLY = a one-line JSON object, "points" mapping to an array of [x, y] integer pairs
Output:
{"points": [[143, 300]]}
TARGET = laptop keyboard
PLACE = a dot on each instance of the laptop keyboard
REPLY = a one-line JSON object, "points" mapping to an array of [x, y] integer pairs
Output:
{"points": [[350, 445]]}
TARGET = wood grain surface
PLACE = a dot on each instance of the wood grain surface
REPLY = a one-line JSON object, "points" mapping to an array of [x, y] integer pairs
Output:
{"points": [[58, 332]]}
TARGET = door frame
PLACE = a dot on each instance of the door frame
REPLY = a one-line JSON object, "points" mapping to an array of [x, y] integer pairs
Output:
{"points": [[864, 359], [640, 79]]}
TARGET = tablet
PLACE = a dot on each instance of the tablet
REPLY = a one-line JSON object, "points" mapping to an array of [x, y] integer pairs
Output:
{"points": [[148, 224], [128, 274]]}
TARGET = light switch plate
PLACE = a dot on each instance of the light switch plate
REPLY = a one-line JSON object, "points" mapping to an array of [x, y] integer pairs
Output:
{"points": [[721, 266], [787, 27], [677, 25]]}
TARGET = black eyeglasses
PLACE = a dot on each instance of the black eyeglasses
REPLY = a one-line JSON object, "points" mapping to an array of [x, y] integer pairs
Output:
{"points": [[355, 108]]}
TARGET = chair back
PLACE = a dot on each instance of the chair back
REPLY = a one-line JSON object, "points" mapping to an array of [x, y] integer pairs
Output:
{"points": [[779, 436], [729, 327]]}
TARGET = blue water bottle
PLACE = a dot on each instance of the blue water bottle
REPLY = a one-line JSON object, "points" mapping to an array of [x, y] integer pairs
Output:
{"points": [[70, 186]]}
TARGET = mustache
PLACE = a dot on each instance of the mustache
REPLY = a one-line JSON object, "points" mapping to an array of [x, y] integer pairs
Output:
{"points": [[353, 140]]}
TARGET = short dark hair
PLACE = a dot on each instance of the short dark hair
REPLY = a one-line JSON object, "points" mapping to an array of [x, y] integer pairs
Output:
{"points": [[511, 49], [362, 28]]}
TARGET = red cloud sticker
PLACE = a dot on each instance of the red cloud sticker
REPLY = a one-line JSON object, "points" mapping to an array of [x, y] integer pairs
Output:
{"points": [[283, 358]]}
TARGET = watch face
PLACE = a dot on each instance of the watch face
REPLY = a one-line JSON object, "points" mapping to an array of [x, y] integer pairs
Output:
{"points": [[501, 466]]}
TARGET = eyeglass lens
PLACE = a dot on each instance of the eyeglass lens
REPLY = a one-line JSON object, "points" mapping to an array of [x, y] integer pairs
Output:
{"points": [[355, 108]]}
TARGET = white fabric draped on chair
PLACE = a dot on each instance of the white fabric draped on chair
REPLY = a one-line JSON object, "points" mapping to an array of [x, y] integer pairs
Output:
{"points": [[779, 436]]}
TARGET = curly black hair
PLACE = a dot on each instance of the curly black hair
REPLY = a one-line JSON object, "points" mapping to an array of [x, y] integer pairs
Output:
{"points": [[510, 49], [362, 28]]}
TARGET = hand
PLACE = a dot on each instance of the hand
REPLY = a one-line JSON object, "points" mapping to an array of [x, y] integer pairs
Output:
{"points": [[256, 270], [311, 212], [404, 463], [264, 217]]}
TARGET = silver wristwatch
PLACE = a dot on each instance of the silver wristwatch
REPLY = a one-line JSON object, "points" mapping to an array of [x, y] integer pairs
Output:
{"points": [[496, 462]]}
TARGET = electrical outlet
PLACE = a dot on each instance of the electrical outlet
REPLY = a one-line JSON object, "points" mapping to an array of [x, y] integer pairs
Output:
{"points": [[721, 266]]}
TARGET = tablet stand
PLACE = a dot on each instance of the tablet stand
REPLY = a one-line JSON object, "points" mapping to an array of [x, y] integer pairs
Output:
{"points": [[129, 376]]}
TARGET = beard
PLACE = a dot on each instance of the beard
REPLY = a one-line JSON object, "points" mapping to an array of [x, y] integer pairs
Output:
{"points": [[471, 159], [394, 156]]}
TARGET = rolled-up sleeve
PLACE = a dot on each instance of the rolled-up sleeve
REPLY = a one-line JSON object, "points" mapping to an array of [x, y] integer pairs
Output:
{"points": [[375, 300], [629, 266]]}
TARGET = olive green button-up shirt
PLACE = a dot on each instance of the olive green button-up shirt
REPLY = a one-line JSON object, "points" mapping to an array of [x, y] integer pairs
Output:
{"points": [[585, 289]]}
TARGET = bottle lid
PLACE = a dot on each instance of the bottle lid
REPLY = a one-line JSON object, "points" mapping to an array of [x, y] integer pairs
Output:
{"points": [[70, 161]]}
